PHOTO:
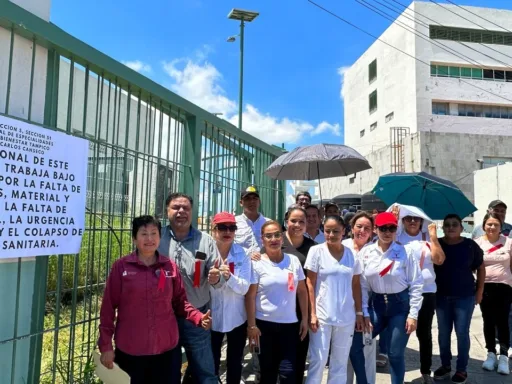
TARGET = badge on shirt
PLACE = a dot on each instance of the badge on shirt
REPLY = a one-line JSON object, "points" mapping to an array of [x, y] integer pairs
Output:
{"points": [[291, 282]]}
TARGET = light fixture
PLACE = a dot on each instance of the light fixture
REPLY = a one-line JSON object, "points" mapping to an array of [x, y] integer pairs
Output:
{"points": [[241, 14]]}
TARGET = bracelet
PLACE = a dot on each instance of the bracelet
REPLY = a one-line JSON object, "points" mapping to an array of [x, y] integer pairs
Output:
{"points": [[252, 327], [359, 314]]}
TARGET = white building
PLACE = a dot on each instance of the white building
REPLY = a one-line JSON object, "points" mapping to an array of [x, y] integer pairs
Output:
{"points": [[493, 183], [297, 186], [438, 113]]}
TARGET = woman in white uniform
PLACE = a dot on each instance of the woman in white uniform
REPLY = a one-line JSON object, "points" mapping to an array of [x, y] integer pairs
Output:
{"points": [[418, 233], [392, 295], [334, 288], [362, 232], [277, 282]]}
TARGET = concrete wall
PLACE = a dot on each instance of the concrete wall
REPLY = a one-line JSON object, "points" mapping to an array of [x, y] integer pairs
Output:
{"points": [[396, 91], [380, 160], [448, 155], [491, 184]]}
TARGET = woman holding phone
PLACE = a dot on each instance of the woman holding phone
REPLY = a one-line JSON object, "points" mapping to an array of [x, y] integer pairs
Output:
{"points": [[277, 282], [228, 301]]}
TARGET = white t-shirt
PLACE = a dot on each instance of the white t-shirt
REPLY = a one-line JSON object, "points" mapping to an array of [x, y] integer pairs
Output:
{"points": [[427, 269], [404, 238], [333, 291], [275, 302]]}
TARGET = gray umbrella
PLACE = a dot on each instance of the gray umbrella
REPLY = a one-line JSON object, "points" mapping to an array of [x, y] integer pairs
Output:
{"points": [[319, 161]]}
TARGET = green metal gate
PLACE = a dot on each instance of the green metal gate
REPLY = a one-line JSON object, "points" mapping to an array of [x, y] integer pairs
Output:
{"points": [[145, 141]]}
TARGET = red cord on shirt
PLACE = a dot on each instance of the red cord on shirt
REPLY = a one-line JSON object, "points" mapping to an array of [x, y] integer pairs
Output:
{"points": [[197, 274]]}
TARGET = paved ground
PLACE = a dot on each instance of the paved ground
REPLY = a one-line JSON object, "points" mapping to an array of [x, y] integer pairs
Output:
{"points": [[475, 373]]}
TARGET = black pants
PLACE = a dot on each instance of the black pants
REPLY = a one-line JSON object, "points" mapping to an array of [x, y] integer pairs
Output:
{"points": [[495, 307], [278, 352], [424, 331], [164, 368], [302, 355], [235, 353]]}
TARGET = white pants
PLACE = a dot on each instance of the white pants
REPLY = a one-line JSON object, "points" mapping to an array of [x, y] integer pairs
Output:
{"points": [[370, 364], [340, 340]]}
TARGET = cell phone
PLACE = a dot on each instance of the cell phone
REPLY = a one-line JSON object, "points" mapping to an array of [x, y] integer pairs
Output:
{"points": [[200, 255], [255, 346]]}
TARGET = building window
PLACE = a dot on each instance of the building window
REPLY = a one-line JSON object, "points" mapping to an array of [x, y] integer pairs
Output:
{"points": [[361, 133], [440, 32], [389, 117], [491, 161], [475, 110], [372, 71], [440, 108], [373, 126], [470, 73], [373, 101]]}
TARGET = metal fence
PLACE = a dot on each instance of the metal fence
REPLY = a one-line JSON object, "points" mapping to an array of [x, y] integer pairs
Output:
{"points": [[145, 141]]}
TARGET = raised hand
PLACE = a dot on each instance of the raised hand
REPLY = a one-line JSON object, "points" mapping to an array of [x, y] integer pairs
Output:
{"points": [[224, 270], [214, 273], [206, 321], [396, 211], [432, 230]]}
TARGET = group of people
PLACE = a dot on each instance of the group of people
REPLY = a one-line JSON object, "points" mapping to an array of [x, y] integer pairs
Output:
{"points": [[303, 291]]}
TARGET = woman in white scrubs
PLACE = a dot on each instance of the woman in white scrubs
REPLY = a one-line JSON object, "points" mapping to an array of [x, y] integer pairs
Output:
{"points": [[335, 298], [362, 231]]}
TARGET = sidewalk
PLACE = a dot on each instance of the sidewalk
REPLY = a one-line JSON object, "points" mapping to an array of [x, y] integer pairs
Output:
{"points": [[475, 373]]}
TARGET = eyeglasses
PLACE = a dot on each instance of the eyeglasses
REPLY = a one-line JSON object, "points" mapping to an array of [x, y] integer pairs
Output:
{"points": [[410, 219], [225, 228], [390, 228], [270, 236]]}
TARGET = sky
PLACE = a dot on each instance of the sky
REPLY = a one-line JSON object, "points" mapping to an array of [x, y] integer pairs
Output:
{"points": [[294, 58]]}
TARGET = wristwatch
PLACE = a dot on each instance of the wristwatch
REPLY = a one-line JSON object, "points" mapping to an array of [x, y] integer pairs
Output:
{"points": [[359, 314]]}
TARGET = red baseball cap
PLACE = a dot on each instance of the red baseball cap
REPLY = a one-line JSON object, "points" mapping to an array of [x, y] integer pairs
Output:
{"points": [[385, 218], [224, 217]]}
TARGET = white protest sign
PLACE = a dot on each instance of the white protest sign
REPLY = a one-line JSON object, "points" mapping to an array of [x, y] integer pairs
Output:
{"points": [[43, 181]]}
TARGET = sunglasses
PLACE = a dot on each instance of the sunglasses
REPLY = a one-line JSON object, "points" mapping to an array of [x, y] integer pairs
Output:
{"points": [[270, 236], [388, 228], [410, 219], [225, 228]]}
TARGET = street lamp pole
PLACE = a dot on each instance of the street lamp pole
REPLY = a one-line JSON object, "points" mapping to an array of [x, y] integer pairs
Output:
{"points": [[243, 16], [241, 89]]}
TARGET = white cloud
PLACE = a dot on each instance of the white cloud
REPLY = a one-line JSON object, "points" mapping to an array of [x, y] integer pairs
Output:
{"points": [[341, 72], [138, 66], [200, 82]]}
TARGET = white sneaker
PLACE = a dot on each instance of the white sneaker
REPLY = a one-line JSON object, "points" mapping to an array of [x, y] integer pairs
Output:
{"points": [[503, 367], [491, 362]]}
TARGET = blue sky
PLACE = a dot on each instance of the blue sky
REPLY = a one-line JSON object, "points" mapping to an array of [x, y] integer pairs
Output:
{"points": [[294, 55]]}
